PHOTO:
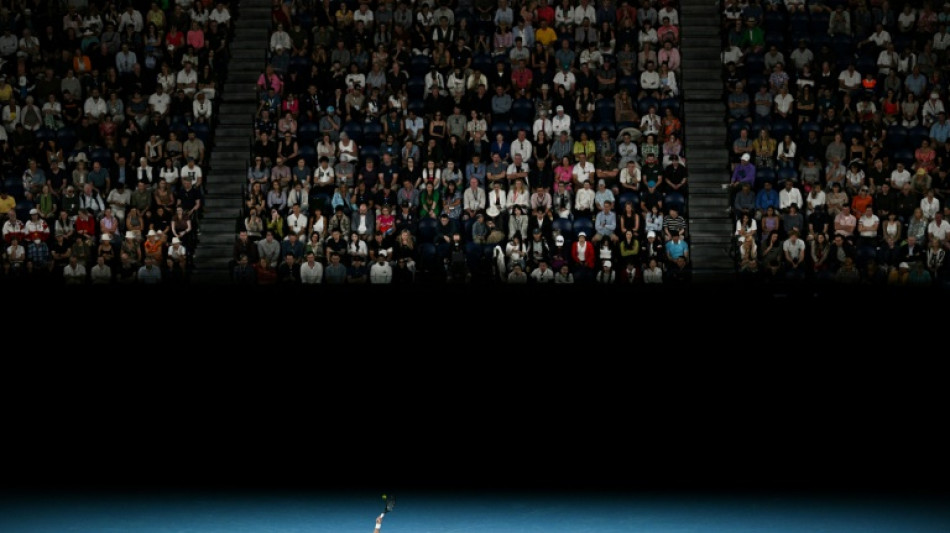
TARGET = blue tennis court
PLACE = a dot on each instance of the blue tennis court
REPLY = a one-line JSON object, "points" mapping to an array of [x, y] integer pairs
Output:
{"points": [[325, 512]]}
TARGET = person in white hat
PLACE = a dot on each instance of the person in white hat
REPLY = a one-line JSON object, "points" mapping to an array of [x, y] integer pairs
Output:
{"points": [[381, 273], [743, 173], [36, 227], [154, 245], [582, 255], [561, 121], [606, 274], [178, 252]]}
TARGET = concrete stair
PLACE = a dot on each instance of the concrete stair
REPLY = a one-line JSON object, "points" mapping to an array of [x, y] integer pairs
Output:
{"points": [[224, 197], [710, 227]]}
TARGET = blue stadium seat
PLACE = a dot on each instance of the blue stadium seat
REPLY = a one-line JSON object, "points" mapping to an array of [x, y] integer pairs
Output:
{"points": [[563, 226], [785, 173], [355, 130], [625, 197], [308, 153], [676, 200], [735, 127], [522, 110], [372, 132], [308, 133], [583, 224], [605, 109], [896, 137], [643, 105], [427, 229], [903, 155], [762, 175], [630, 83], [23, 209], [578, 127], [917, 134], [416, 88], [102, 155], [501, 126], [780, 128], [202, 131], [419, 65], [369, 150], [66, 137], [670, 103], [809, 126]]}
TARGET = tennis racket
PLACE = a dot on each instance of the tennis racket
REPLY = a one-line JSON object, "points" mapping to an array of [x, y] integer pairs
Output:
{"points": [[389, 502]]}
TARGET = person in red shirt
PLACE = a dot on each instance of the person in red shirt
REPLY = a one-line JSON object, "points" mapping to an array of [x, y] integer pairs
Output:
{"points": [[545, 12], [85, 224], [668, 32], [582, 252], [521, 77]]}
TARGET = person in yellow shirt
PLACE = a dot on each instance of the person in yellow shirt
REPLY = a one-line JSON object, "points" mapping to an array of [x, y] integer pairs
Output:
{"points": [[6, 91], [545, 34], [584, 145], [7, 202]]}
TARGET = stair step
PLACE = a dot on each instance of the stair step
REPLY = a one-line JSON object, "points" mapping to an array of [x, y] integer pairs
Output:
{"points": [[212, 227], [221, 214], [697, 201], [217, 238]]}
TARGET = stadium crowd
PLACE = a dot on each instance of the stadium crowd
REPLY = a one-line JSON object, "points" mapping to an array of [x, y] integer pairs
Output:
{"points": [[458, 140], [839, 140], [108, 112]]}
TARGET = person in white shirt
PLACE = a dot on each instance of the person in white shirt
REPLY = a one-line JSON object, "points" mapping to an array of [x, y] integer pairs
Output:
{"points": [[518, 170], [125, 60], [543, 123], [938, 228], [323, 175], [201, 108], [474, 198], [566, 78], [297, 222], [930, 205], [177, 252], [542, 274], [651, 123], [221, 15], [381, 272], [279, 38], [311, 272], [650, 81], [669, 11], [36, 226], [158, 102], [790, 195], [561, 121], [522, 146], [630, 177], [497, 201], [74, 272], [849, 80], [192, 172], [363, 13], [583, 169], [899, 176], [931, 109], [95, 106], [783, 102], [585, 11], [187, 79], [867, 225], [143, 173], [131, 16], [584, 200]]}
